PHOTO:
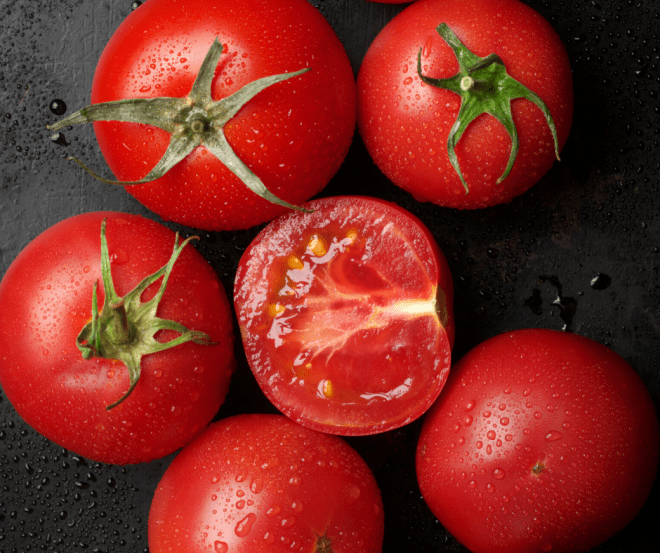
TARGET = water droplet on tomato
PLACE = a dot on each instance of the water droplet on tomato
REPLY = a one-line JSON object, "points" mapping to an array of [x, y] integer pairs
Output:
{"points": [[537, 415], [468, 420], [472, 484], [244, 525], [498, 473], [297, 506], [352, 493], [527, 391], [553, 436], [220, 547], [256, 485], [491, 435], [274, 510], [118, 256], [504, 421], [490, 488]]}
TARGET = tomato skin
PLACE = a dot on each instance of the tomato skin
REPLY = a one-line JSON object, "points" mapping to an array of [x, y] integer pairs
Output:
{"points": [[329, 334], [540, 441], [405, 123], [262, 483], [293, 135], [46, 296]]}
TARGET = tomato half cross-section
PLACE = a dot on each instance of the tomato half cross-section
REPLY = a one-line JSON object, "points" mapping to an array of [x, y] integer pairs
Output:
{"points": [[465, 103], [541, 441], [264, 484], [222, 114], [346, 315], [116, 339]]}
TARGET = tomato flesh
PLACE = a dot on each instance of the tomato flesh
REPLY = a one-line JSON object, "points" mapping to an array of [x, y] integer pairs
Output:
{"points": [[346, 315]]}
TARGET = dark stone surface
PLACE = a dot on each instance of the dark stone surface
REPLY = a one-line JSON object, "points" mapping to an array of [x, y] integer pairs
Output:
{"points": [[580, 250]]}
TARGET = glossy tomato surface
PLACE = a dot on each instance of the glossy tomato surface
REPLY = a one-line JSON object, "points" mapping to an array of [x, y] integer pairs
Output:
{"points": [[264, 484], [346, 315], [46, 298], [541, 441], [294, 135], [405, 123]]}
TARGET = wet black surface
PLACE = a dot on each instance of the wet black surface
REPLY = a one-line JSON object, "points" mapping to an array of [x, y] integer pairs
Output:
{"points": [[580, 251]]}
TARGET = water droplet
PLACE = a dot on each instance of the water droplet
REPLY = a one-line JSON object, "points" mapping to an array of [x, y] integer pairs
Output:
{"points": [[553, 436], [220, 547], [491, 435], [537, 415], [118, 256], [256, 484], [601, 281], [245, 525], [472, 484], [504, 421], [470, 405], [490, 488], [498, 473], [58, 107], [274, 511], [468, 420], [352, 493], [527, 391]]}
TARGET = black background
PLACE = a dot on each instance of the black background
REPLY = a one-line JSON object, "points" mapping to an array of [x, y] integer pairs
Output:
{"points": [[530, 263]]}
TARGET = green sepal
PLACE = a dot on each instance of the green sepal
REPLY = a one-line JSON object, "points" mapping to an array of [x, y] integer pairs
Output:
{"points": [[125, 329], [191, 121], [484, 87]]}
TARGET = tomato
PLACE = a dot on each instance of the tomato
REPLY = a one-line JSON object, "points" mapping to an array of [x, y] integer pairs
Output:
{"points": [[285, 141], [346, 315], [540, 441], [261, 483], [111, 409], [453, 146]]}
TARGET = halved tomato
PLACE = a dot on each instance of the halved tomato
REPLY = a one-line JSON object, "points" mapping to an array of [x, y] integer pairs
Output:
{"points": [[346, 315]]}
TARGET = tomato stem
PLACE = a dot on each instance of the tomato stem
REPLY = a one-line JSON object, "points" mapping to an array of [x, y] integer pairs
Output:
{"points": [[191, 121], [484, 87], [125, 328]]}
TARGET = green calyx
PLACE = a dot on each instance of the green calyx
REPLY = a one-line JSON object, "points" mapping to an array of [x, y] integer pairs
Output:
{"points": [[191, 121], [125, 328], [484, 87]]}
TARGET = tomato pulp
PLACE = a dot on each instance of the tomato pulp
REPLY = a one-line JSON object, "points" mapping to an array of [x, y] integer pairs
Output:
{"points": [[346, 315]]}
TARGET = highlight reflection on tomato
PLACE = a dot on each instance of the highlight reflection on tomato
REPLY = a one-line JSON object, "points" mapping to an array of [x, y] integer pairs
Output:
{"points": [[346, 315]]}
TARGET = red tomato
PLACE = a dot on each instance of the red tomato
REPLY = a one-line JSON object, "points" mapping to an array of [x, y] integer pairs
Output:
{"points": [[293, 135], [263, 484], [406, 123], [46, 298], [541, 441], [346, 315]]}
